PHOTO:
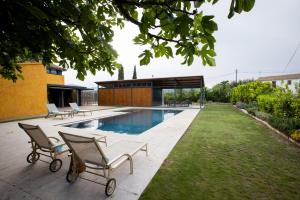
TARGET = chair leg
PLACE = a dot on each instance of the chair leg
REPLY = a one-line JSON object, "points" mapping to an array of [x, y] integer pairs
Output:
{"points": [[108, 173], [34, 153], [131, 164]]}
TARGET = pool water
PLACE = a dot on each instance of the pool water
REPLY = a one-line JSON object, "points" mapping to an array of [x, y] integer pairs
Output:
{"points": [[133, 122]]}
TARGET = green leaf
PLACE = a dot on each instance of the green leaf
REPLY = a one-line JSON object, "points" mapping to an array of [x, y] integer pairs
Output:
{"points": [[215, 1], [146, 57], [190, 60], [211, 61], [231, 10], [80, 76], [208, 24], [239, 5], [248, 5], [198, 4]]}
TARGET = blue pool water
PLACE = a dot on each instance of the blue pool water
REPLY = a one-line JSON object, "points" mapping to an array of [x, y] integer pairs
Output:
{"points": [[134, 122]]}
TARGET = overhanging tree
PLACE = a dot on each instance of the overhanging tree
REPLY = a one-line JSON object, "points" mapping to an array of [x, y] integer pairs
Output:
{"points": [[77, 34]]}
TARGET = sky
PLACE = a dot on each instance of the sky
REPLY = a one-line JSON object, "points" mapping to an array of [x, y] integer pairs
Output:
{"points": [[258, 43]]}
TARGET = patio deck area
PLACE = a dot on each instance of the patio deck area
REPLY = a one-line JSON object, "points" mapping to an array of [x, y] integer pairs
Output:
{"points": [[20, 180]]}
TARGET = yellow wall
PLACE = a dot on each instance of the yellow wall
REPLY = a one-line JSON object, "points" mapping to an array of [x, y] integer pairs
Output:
{"points": [[25, 98], [55, 79]]}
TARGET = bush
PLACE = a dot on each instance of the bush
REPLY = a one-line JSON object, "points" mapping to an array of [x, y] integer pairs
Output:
{"points": [[263, 116], [266, 102], [221, 92], [285, 125], [296, 135], [252, 105], [241, 105], [248, 93], [296, 107], [251, 108], [283, 103]]}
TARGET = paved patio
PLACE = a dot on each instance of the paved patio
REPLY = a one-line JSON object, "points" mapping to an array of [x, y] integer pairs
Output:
{"points": [[20, 180]]}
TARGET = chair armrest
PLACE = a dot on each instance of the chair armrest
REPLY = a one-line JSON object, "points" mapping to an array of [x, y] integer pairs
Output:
{"points": [[100, 138], [119, 157], [55, 138]]}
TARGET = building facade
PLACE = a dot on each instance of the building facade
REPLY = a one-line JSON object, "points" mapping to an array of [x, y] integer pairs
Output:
{"points": [[144, 92], [41, 85], [292, 81]]}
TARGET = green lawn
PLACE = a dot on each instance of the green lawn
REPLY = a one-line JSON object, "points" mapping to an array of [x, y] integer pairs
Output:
{"points": [[228, 155]]}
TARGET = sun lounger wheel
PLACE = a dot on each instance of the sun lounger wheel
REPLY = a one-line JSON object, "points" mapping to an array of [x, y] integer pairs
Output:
{"points": [[30, 158], [71, 177], [110, 186], [55, 165]]}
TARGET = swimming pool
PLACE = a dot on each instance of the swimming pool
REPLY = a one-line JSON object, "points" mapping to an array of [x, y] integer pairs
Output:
{"points": [[133, 122]]}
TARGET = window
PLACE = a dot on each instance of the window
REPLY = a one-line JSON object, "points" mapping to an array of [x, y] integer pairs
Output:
{"points": [[274, 84], [54, 71], [289, 82], [58, 72]]}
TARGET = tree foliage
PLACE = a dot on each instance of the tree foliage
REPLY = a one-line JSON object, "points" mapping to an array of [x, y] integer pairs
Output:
{"points": [[182, 95], [248, 92], [77, 34], [221, 92]]}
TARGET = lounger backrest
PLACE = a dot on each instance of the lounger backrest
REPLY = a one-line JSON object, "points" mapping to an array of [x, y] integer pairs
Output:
{"points": [[85, 148], [37, 135], [52, 108], [74, 106]]}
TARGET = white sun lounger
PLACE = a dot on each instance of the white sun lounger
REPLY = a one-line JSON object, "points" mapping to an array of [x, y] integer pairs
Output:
{"points": [[76, 109], [87, 154], [52, 110], [43, 145]]}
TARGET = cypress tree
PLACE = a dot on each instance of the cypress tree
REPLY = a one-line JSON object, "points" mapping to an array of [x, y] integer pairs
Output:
{"points": [[121, 73], [134, 76]]}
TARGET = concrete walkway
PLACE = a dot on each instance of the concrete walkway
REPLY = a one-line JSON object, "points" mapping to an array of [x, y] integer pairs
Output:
{"points": [[20, 180]]}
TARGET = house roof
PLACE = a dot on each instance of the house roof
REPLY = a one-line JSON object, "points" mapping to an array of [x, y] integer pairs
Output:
{"points": [[166, 82], [280, 77], [67, 87]]}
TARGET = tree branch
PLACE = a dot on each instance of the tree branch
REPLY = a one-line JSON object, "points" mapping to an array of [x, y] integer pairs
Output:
{"points": [[162, 38]]}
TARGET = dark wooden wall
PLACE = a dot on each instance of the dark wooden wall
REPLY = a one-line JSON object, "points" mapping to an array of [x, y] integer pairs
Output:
{"points": [[141, 96], [125, 97], [105, 97], [122, 97]]}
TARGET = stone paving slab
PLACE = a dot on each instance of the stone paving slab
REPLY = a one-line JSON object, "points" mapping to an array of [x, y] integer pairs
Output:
{"points": [[20, 180]]}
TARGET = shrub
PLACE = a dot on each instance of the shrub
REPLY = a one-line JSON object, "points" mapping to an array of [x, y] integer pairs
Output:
{"points": [[283, 103], [266, 102], [263, 116], [248, 92], [285, 125], [296, 135], [296, 107], [221, 92], [252, 105], [251, 108], [240, 105]]}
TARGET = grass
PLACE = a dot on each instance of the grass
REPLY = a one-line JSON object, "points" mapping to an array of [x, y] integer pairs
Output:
{"points": [[225, 154]]}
